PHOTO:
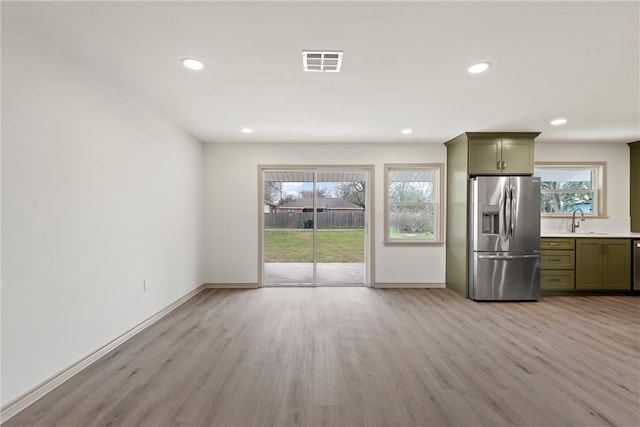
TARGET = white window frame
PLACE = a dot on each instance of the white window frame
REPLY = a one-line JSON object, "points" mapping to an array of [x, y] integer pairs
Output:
{"points": [[437, 203], [599, 170]]}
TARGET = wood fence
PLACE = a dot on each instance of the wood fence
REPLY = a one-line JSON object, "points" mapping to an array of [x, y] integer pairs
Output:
{"points": [[305, 220]]}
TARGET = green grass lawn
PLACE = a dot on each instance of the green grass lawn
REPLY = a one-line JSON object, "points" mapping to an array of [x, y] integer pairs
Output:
{"points": [[295, 245]]}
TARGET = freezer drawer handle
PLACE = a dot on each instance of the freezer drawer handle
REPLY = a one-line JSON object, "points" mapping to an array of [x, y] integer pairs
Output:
{"points": [[507, 256]]}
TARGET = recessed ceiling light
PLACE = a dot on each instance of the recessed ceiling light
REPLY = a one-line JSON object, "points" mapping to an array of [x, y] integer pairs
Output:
{"points": [[246, 130], [480, 67], [192, 64], [558, 122], [406, 131]]}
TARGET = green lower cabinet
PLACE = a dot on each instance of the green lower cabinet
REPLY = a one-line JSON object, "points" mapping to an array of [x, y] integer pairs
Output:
{"points": [[557, 264], [556, 280], [603, 264], [589, 256], [557, 260], [617, 264]]}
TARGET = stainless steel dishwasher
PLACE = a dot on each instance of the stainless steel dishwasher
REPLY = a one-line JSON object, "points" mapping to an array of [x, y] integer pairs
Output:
{"points": [[635, 286]]}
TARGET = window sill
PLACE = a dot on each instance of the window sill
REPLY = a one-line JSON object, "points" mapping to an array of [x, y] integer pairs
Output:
{"points": [[413, 242]]}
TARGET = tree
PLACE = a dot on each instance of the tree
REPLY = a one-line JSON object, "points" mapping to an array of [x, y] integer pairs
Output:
{"points": [[286, 198], [272, 191], [351, 191], [569, 199], [320, 192], [411, 192], [410, 209]]}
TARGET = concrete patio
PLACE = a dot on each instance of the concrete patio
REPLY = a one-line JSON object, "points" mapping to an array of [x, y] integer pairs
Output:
{"points": [[328, 274]]}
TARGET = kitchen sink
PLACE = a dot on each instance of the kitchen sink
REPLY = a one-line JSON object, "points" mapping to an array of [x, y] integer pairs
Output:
{"points": [[584, 234]]}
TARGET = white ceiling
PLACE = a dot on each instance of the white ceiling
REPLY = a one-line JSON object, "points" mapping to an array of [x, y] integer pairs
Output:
{"points": [[404, 65]]}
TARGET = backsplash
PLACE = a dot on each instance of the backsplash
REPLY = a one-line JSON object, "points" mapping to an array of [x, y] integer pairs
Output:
{"points": [[589, 225]]}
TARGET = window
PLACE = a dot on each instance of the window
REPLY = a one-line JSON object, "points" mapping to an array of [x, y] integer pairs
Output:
{"points": [[413, 209], [565, 187]]}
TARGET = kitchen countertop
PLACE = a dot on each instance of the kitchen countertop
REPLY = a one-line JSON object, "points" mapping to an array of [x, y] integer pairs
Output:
{"points": [[595, 235]]}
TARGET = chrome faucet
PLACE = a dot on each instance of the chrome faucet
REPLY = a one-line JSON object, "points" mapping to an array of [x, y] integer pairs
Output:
{"points": [[575, 224]]}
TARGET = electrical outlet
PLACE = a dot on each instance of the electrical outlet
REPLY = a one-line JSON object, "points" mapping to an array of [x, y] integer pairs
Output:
{"points": [[146, 285]]}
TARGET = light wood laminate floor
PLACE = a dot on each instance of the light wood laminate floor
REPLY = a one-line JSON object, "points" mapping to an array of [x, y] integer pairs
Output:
{"points": [[360, 356]]}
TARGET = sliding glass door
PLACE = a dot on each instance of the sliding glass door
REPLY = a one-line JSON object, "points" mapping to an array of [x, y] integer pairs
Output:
{"points": [[340, 228], [288, 234], [314, 227]]}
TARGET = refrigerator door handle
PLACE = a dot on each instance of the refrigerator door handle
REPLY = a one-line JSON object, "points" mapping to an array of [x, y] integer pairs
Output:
{"points": [[507, 213], [502, 226], [508, 256], [512, 203]]}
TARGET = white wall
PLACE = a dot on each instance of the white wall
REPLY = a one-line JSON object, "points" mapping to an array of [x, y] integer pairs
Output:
{"points": [[232, 198], [231, 187], [98, 194], [617, 184]]}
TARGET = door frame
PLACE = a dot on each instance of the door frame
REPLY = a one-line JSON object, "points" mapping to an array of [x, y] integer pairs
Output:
{"points": [[369, 240]]}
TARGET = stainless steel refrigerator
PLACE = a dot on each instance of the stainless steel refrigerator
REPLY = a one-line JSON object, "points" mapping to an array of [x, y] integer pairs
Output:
{"points": [[504, 238]]}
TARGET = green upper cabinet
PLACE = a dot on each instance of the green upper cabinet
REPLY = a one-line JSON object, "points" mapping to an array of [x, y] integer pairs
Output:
{"points": [[603, 264], [485, 157], [517, 156], [497, 156]]}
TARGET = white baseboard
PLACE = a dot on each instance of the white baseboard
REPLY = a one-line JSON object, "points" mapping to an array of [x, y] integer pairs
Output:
{"points": [[409, 285], [231, 286], [28, 398], [380, 285]]}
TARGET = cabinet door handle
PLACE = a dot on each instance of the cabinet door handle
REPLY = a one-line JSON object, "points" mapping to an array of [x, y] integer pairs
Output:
{"points": [[504, 165], [498, 165]]}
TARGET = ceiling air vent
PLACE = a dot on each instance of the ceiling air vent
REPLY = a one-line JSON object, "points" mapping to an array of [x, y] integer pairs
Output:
{"points": [[322, 61]]}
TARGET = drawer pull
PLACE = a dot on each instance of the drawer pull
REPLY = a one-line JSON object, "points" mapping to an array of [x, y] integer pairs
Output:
{"points": [[553, 280], [553, 244], [554, 259]]}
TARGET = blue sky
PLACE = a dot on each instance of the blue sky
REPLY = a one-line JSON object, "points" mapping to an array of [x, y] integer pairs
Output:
{"points": [[296, 187]]}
